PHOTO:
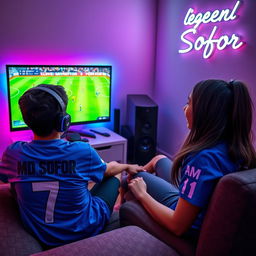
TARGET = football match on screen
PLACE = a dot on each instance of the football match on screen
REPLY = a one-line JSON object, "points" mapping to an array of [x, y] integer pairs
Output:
{"points": [[88, 89]]}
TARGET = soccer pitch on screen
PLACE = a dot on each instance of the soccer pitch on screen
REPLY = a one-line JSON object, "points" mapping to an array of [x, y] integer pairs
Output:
{"points": [[88, 96]]}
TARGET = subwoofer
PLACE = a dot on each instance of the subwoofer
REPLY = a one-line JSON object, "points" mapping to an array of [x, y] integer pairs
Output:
{"points": [[142, 114]]}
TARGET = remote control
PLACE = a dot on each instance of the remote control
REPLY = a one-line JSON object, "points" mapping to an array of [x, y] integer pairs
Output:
{"points": [[100, 133]]}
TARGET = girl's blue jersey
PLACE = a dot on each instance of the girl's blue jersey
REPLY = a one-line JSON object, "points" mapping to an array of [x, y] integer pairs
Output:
{"points": [[200, 173]]}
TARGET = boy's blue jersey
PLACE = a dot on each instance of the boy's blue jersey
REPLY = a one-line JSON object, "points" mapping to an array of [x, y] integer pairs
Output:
{"points": [[51, 181], [200, 173]]}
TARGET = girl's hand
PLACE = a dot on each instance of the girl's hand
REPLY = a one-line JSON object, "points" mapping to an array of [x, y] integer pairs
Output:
{"points": [[138, 187]]}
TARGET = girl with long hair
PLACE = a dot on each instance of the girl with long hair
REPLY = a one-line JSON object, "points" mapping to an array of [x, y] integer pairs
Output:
{"points": [[219, 117]]}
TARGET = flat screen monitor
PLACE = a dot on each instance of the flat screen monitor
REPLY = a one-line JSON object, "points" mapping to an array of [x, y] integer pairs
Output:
{"points": [[88, 89]]}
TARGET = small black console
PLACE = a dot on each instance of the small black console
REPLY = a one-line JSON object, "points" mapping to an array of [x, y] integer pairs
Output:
{"points": [[100, 133], [74, 136], [83, 133]]}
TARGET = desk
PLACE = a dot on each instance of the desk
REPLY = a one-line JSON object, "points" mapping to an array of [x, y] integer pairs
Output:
{"points": [[112, 148]]}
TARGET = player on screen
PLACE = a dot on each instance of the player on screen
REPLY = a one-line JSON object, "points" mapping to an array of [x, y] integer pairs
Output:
{"points": [[73, 98]]}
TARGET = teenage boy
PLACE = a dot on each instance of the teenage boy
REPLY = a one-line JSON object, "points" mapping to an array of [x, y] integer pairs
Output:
{"points": [[50, 176]]}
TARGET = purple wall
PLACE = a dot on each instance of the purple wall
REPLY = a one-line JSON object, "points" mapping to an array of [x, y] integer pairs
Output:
{"points": [[177, 73], [119, 33], [125, 34]]}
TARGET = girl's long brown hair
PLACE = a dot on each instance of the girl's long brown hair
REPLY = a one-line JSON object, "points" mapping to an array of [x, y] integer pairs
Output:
{"points": [[220, 111]]}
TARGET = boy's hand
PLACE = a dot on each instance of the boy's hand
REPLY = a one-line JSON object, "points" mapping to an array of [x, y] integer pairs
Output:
{"points": [[134, 168]]}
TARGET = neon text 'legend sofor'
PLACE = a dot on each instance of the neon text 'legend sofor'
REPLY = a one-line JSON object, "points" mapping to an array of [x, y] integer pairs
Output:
{"points": [[208, 45]]}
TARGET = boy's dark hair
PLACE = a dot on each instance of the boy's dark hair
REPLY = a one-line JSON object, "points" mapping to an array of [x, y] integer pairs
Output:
{"points": [[221, 111], [39, 109]]}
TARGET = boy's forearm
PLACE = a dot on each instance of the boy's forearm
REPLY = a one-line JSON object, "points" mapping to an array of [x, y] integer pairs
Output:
{"points": [[114, 168]]}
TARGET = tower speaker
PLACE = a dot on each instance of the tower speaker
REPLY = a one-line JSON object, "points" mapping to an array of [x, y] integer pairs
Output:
{"points": [[142, 114], [117, 120]]}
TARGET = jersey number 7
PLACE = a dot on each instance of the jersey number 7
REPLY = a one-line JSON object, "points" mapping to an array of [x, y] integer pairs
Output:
{"points": [[53, 187]]}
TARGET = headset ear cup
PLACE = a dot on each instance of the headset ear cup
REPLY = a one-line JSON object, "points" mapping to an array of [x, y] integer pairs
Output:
{"points": [[62, 122], [67, 121]]}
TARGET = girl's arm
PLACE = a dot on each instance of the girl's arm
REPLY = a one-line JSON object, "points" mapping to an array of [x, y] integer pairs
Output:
{"points": [[178, 221]]}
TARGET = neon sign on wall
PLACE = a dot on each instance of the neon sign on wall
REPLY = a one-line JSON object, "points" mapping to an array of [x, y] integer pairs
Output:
{"points": [[208, 45]]}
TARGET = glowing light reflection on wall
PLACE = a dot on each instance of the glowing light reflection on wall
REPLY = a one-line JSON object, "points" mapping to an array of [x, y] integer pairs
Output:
{"points": [[20, 58]]}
